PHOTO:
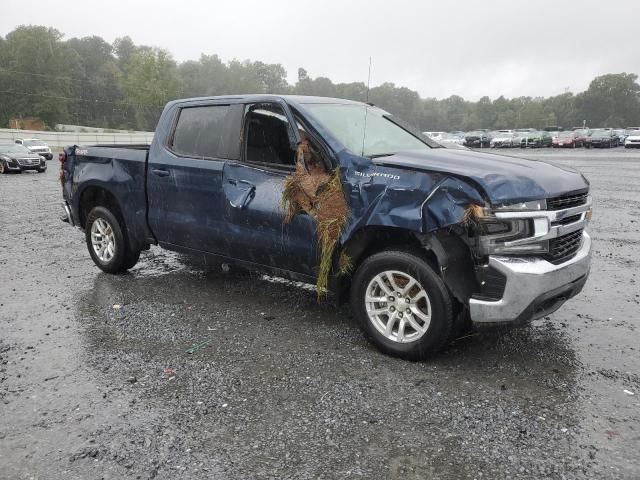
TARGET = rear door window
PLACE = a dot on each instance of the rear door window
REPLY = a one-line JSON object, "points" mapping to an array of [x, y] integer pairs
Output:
{"points": [[211, 131]]}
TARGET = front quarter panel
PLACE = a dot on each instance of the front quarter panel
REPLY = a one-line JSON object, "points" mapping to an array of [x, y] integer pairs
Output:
{"points": [[418, 201]]}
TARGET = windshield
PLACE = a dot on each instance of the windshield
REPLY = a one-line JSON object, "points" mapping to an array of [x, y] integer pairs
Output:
{"points": [[566, 134], [14, 148], [381, 137], [34, 143]]}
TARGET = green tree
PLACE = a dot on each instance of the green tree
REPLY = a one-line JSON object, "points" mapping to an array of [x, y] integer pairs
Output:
{"points": [[612, 97], [150, 81], [35, 74], [98, 96]]}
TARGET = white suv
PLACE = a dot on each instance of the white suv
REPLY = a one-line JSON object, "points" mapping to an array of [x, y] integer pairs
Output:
{"points": [[36, 146]]}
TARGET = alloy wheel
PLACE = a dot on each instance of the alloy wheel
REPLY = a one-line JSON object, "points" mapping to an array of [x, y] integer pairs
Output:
{"points": [[398, 306]]}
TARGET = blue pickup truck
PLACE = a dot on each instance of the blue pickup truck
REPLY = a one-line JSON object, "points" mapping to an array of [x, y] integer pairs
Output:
{"points": [[436, 239]]}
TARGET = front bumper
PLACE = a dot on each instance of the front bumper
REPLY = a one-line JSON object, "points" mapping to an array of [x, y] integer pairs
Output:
{"points": [[534, 287], [16, 167]]}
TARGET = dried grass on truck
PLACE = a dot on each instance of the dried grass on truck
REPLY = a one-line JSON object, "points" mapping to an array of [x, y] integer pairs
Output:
{"points": [[313, 190]]}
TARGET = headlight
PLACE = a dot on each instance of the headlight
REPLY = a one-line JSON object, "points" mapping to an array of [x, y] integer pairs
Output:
{"points": [[495, 236], [499, 235], [531, 206]]}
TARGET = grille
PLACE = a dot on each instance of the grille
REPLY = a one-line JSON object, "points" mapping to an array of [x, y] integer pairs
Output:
{"points": [[567, 220], [567, 201], [27, 161], [564, 248]]}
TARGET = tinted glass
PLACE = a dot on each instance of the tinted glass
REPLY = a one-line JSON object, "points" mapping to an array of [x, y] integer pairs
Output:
{"points": [[269, 138], [204, 132]]}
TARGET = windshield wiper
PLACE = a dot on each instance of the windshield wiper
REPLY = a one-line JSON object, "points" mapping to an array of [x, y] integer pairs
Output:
{"points": [[378, 155]]}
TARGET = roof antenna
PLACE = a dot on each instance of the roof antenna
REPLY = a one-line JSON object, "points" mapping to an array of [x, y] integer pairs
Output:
{"points": [[366, 109], [368, 80]]}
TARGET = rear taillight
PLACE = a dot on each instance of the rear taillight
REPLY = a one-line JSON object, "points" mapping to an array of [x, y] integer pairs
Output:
{"points": [[62, 156]]}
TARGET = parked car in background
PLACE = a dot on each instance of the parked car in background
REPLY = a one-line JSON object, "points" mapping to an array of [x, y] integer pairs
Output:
{"points": [[553, 129], [477, 138], [536, 139], [505, 140], [582, 134], [621, 134], [437, 136], [448, 139], [16, 158], [633, 139], [36, 146], [601, 138], [571, 139]]}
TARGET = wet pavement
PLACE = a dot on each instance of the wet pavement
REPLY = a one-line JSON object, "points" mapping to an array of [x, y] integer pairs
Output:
{"points": [[175, 370]]}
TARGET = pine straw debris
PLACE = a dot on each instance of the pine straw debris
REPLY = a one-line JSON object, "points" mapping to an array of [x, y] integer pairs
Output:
{"points": [[312, 190], [472, 215]]}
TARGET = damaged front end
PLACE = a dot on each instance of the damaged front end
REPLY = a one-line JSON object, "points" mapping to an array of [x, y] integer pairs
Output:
{"points": [[530, 257]]}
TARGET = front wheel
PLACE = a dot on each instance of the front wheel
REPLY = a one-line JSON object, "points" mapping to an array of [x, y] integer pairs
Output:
{"points": [[3, 168], [402, 305], [42, 170], [107, 243]]}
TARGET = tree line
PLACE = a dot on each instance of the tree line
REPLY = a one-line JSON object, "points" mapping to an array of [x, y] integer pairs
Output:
{"points": [[89, 81]]}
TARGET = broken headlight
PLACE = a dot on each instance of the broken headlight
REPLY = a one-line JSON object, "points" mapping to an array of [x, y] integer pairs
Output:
{"points": [[503, 236]]}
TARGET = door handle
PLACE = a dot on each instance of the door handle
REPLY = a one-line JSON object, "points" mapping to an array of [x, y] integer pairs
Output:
{"points": [[160, 172], [248, 191]]}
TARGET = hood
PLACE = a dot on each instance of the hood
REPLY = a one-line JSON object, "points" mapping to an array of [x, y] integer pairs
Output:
{"points": [[15, 155], [503, 179]]}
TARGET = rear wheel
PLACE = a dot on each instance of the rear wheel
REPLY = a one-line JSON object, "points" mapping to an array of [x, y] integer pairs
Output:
{"points": [[402, 304], [107, 243]]}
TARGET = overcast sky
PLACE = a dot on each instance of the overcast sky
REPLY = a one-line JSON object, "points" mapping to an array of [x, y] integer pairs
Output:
{"points": [[466, 47]]}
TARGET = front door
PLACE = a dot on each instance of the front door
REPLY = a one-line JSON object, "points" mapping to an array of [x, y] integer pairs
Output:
{"points": [[253, 196]]}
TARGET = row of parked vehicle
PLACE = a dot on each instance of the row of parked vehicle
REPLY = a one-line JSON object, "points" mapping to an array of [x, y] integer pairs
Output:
{"points": [[531, 138], [24, 154]]}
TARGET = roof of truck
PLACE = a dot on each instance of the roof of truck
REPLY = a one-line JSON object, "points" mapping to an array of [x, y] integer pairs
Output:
{"points": [[294, 99]]}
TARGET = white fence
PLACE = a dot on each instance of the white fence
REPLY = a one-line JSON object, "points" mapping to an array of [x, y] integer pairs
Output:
{"points": [[61, 139]]}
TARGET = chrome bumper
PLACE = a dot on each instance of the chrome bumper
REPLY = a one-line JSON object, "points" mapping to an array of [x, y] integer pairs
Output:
{"points": [[534, 287]]}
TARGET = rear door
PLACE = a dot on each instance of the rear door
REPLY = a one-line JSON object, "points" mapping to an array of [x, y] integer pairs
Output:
{"points": [[253, 186], [185, 176]]}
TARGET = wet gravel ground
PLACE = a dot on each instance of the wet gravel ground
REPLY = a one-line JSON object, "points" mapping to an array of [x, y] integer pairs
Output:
{"points": [[179, 371]]}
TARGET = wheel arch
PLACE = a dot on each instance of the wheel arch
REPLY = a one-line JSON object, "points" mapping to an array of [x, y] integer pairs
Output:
{"points": [[97, 195], [444, 250]]}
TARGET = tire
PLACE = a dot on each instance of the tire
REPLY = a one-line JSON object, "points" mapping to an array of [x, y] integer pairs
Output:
{"points": [[42, 170], [3, 168], [116, 256], [131, 259], [402, 267]]}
